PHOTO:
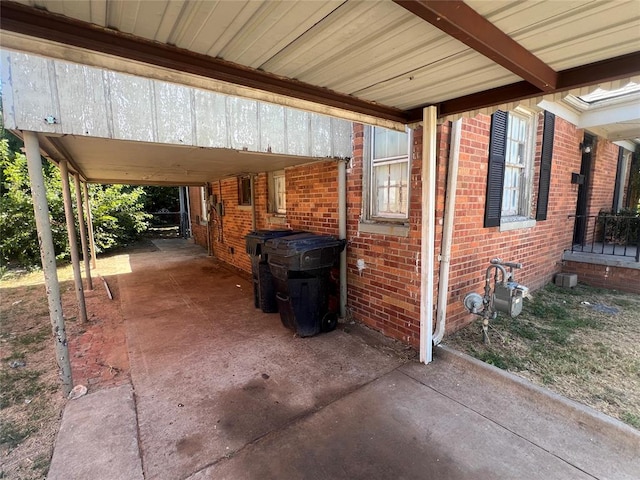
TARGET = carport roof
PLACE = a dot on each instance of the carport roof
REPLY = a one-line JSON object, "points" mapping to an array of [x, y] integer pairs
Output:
{"points": [[378, 62], [382, 59]]}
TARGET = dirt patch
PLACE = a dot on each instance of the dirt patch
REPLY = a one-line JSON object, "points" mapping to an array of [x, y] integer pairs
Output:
{"points": [[583, 343], [31, 400]]}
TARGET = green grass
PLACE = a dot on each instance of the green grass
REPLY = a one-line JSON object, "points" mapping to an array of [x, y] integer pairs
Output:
{"points": [[559, 340], [34, 339], [18, 385], [12, 435], [632, 419]]}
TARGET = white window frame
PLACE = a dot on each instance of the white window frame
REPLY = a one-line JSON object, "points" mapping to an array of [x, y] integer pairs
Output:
{"points": [[369, 175], [203, 206], [277, 193], [521, 216]]}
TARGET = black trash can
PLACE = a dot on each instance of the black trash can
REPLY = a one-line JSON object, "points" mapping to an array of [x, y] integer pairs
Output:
{"points": [[264, 293], [302, 266]]}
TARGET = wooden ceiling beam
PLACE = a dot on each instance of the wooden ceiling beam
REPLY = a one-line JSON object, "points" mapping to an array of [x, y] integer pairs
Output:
{"points": [[460, 21]]}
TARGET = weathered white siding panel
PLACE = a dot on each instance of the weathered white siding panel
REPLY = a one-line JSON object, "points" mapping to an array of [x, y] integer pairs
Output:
{"points": [[320, 136], [211, 119], [242, 115], [342, 132], [8, 115], [132, 107], [173, 113], [34, 95], [89, 101], [272, 128], [83, 105], [297, 132]]}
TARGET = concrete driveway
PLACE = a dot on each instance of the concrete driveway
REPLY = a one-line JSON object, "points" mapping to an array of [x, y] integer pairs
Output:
{"points": [[222, 391]]}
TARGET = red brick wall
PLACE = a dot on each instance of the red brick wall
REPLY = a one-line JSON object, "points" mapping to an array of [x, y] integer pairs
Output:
{"points": [[386, 295], [312, 197], [618, 278], [603, 177], [474, 246], [198, 230]]}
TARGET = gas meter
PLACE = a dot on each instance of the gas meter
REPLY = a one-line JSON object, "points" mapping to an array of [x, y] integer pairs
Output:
{"points": [[501, 294]]}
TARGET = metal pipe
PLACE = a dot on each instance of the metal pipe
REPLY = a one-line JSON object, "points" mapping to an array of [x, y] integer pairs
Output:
{"points": [[83, 231], [342, 233], [427, 244], [252, 185], [181, 222], [188, 202], [207, 202], [447, 232], [73, 244], [87, 208], [48, 257]]}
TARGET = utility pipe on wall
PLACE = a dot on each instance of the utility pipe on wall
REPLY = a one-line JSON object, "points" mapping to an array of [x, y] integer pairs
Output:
{"points": [[188, 201], [447, 231], [73, 244], [83, 232], [252, 185], [48, 257], [92, 240], [342, 233], [427, 247]]}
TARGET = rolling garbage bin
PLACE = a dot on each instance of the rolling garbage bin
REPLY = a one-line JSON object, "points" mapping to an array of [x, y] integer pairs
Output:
{"points": [[264, 293], [302, 267]]}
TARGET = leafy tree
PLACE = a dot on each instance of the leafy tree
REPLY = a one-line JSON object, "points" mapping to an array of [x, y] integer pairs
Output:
{"points": [[118, 210]]}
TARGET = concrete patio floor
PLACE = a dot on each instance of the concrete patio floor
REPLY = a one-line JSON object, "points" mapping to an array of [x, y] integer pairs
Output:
{"points": [[223, 391]]}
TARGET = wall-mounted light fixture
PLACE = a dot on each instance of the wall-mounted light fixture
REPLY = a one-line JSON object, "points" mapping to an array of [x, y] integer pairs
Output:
{"points": [[586, 147]]}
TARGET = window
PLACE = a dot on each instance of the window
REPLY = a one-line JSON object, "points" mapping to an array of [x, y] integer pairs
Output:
{"points": [[510, 173], [203, 205], [516, 163], [244, 190], [277, 193], [389, 175]]}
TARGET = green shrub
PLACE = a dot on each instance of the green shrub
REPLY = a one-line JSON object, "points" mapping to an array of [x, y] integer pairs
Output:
{"points": [[118, 212]]}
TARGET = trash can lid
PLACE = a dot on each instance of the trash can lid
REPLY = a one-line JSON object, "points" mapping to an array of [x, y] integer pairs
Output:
{"points": [[267, 234], [254, 240], [303, 242]]}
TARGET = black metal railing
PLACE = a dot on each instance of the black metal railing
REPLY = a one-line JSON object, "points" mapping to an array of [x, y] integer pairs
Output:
{"points": [[607, 234]]}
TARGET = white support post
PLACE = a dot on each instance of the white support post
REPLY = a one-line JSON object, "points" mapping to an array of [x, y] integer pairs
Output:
{"points": [[87, 208], [83, 231], [73, 244], [48, 257], [342, 233], [427, 250]]}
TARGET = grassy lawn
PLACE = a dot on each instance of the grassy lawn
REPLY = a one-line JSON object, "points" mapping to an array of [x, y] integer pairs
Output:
{"points": [[583, 343]]}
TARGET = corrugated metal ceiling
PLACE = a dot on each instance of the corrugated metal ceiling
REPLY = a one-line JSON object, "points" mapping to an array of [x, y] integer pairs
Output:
{"points": [[374, 50]]}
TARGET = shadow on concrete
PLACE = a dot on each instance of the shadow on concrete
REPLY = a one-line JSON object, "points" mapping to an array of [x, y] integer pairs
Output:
{"points": [[223, 390]]}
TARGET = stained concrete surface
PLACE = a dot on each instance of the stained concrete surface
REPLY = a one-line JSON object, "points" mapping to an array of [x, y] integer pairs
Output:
{"points": [[98, 438], [225, 391]]}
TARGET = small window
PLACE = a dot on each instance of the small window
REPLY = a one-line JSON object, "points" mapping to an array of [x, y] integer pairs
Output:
{"points": [[388, 175], [510, 172], [517, 159], [204, 215], [277, 193], [244, 190]]}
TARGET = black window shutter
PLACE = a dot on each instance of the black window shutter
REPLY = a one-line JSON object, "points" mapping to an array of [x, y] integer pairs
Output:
{"points": [[545, 165], [495, 175]]}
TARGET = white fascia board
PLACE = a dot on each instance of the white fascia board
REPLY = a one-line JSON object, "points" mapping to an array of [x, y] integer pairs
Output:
{"points": [[561, 111], [627, 145], [607, 115]]}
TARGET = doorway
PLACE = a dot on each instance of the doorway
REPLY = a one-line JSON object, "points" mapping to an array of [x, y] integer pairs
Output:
{"points": [[580, 227]]}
